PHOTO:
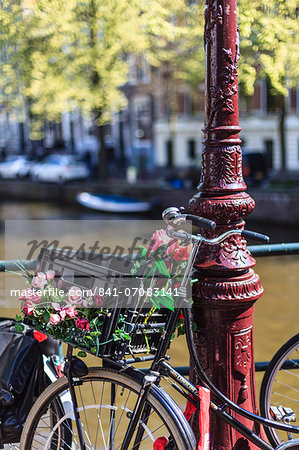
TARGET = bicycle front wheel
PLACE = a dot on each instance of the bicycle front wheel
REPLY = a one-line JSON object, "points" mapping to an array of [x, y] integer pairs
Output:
{"points": [[106, 400], [280, 388]]}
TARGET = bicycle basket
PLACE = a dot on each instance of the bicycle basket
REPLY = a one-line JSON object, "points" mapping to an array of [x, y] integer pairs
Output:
{"points": [[112, 316]]}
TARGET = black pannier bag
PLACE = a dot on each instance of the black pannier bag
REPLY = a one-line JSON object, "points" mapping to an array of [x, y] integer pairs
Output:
{"points": [[22, 377]]}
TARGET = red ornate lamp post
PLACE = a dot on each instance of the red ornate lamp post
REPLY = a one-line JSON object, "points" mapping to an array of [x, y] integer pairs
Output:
{"points": [[227, 286]]}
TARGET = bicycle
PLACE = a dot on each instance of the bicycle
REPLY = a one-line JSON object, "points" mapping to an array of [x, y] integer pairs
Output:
{"points": [[107, 400]]}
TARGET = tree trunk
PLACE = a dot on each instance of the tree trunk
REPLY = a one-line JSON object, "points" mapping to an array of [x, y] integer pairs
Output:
{"points": [[102, 153], [282, 138], [122, 157], [72, 136]]}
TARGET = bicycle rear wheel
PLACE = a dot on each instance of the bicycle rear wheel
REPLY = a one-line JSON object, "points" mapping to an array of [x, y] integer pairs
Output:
{"points": [[106, 399], [280, 387]]}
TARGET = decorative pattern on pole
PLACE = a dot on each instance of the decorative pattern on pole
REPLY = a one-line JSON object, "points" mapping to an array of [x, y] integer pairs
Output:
{"points": [[227, 286]]}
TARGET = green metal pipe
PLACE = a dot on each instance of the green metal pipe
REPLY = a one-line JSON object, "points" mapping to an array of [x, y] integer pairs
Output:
{"points": [[259, 367], [290, 248], [14, 264]]}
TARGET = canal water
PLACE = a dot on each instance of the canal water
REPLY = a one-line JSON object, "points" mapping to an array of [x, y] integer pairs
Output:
{"points": [[276, 313]]}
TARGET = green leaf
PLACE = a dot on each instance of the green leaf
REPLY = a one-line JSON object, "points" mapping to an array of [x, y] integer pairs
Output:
{"points": [[95, 333], [166, 300], [46, 316], [19, 327], [141, 255], [116, 337], [155, 302], [181, 330], [167, 303], [162, 268], [135, 268], [18, 318]]}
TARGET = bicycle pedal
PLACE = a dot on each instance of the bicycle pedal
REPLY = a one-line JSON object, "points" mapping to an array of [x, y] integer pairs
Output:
{"points": [[282, 414]]}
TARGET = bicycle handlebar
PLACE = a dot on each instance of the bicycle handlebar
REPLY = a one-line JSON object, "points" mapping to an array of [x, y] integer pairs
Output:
{"points": [[201, 222], [173, 217], [255, 236]]}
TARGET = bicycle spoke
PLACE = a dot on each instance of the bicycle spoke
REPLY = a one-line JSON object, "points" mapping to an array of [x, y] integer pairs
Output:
{"points": [[94, 398], [112, 415], [290, 373], [84, 412], [285, 396], [123, 410]]}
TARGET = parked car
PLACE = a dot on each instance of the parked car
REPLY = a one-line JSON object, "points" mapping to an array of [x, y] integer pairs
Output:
{"points": [[254, 168], [59, 169], [16, 166]]}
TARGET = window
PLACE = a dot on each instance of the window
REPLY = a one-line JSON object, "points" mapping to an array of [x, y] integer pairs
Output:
{"points": [[192, 149], [269, 152], [169, 153], [139, 70], [142, 116]]}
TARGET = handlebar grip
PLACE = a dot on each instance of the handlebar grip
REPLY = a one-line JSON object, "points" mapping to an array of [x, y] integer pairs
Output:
{"points": [[201, 222], [255, 236]]}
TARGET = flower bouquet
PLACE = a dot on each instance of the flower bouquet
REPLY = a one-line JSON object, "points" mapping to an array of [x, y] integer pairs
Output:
{"points": [[102, 322]]}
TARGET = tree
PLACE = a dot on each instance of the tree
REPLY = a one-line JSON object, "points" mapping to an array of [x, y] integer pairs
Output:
{"points": [[16, 47], [77, 53], [270, 49]]}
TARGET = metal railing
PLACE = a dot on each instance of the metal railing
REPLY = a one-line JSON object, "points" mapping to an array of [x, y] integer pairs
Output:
{"points": [[291, 248]]}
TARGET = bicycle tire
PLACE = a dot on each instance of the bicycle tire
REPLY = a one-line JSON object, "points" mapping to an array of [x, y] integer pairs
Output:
{"points": [[13, 445], [280, 387], [163, 411]]}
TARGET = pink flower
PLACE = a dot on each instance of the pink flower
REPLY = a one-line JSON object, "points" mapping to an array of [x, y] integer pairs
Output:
{"points": [[171, 248], [50, 275], [39, 280], [83, 324], [55, 319], [175, 244], [30, 294], [56, 306], [158, 238], [62, 314], [75, 294], [98, 300], [71, 312], [28, 307]]}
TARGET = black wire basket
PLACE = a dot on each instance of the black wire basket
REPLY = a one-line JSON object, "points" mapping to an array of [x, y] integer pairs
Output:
{"points": [[127, 323]]}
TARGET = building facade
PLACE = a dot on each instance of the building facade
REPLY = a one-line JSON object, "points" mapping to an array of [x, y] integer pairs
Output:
{"points": [[178, 142], [161, 126]]}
